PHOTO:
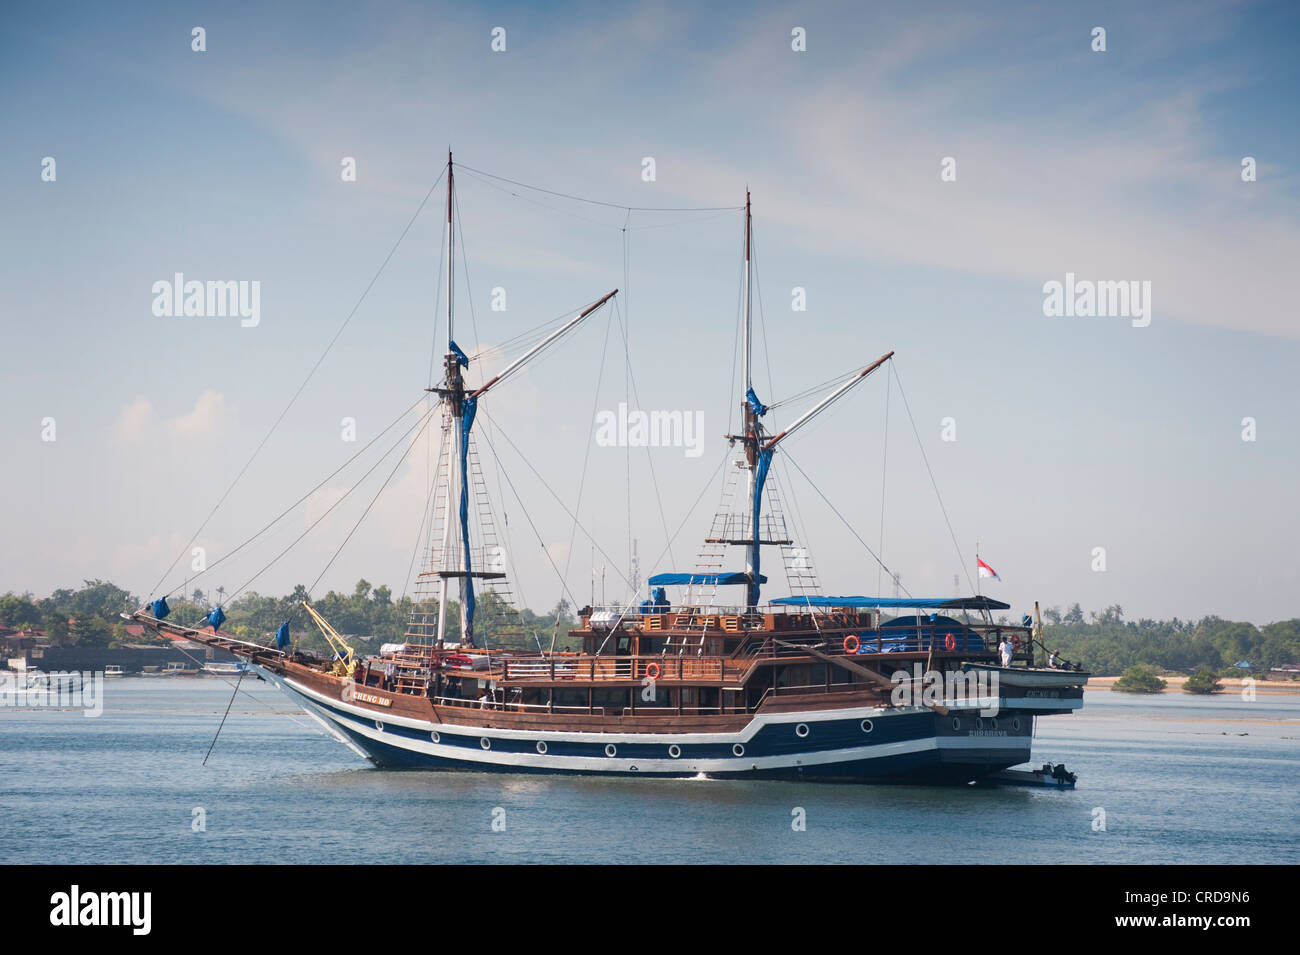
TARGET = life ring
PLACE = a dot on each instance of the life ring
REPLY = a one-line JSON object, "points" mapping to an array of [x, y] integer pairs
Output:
{"points": [[851, 644], [1015, 640], [949, 642], [652, 671]]}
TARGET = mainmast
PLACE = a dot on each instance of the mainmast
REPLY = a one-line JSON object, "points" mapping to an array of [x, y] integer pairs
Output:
{"points": [[752, 426], [748, 341], [456, 559], [758, 447], [453, 394]]}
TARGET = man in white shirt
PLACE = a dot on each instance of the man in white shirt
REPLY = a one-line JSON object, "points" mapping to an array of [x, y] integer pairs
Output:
{"points": [[1004, 648]]}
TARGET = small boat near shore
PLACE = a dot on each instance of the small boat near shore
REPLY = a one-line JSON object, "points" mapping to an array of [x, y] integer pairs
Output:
{"points": [[1054, 777], [224, 669]]}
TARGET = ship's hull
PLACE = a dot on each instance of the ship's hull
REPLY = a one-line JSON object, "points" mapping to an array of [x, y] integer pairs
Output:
{"points": [[860, 744]]}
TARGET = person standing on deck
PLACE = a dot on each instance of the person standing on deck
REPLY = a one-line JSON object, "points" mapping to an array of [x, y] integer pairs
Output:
{"points": [[1004, 649]]}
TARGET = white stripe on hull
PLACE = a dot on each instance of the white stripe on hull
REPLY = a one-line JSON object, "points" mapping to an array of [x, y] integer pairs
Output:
{"points": [[1016, 747]]}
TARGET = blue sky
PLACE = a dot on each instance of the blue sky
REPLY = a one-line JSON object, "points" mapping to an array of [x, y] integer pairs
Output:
{"points": [[1072, 433]]}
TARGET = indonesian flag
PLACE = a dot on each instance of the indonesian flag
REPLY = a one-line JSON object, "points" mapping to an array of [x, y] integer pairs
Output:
{"points": [[985, 570]]}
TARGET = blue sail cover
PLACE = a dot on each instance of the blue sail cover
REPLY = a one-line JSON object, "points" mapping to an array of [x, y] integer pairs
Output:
{"points": [[160, 608], [757, 406], [282, 636], [461, 358], [466, 422], [938, 603], [658, 602], [216, 618], [760, 478], [685, 580]]}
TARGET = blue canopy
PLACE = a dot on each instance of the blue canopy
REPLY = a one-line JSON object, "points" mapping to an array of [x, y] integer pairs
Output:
{"points": [[710, 579], [939, 603]]}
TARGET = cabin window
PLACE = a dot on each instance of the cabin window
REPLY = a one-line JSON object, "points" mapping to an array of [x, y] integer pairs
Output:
{"points": [[661, 698], [609, 698], [571, 697], [794, 676]]}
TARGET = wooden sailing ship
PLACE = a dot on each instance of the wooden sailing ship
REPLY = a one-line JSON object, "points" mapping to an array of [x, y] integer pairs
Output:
{"points": [[806, 686]]}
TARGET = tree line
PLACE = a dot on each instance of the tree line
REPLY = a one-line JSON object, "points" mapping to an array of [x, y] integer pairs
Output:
{"points": [[1107, 644], [369, 616], [1102, 641]]}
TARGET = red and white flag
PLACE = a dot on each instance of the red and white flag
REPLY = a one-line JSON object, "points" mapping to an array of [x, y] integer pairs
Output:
{"points": [[985, 570]]}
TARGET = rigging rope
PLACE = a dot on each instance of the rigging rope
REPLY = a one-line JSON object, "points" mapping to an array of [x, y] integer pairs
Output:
{"points": [[427, 418], [591, 440], [276, 424], [528, 517], [902, 394], [295, 504], [225, 714], [426, 517], [884, 459], [597, 202], [330, 509], [842, 518], [654, 477]]}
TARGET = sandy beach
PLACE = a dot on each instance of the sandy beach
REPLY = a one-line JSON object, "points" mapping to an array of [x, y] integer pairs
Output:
{"points": [[1230, 685]]}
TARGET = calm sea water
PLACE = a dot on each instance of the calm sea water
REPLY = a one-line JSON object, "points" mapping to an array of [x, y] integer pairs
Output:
{"points": [[1180, 779]]}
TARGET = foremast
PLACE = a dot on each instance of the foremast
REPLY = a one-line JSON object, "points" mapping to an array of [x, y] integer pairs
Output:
{"points": [[752, 410], [453, 397], [758, 447], [459, 408]]}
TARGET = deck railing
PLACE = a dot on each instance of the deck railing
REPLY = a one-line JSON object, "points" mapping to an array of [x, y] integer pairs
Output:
{"points": [[597, 669]]}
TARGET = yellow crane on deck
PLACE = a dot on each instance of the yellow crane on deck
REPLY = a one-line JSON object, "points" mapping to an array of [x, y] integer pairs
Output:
{"points": [[346, 664]]}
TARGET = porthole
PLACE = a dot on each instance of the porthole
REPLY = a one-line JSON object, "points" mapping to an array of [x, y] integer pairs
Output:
{"points": [[738, 750], [1015, 724], [866, 726], [956, 723], [379, 726], [801, 730], [435, 737], [994, 722], [485, 743], [979, 722], [611, 749], [674, 751], [541, 747]]}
